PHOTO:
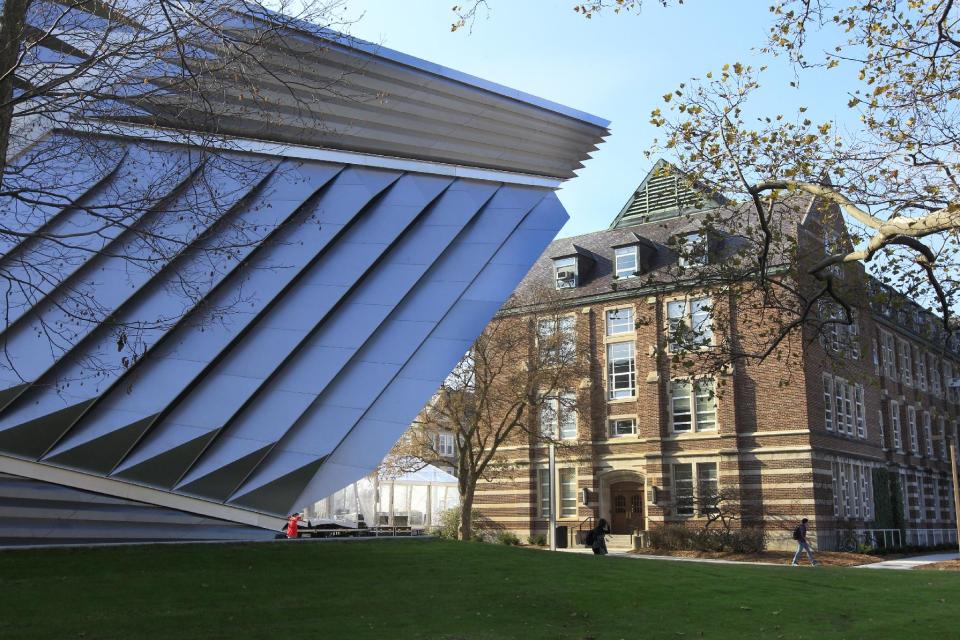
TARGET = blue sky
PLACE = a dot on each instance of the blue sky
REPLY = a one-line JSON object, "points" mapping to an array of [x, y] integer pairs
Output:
{"points": [[614, 66]]}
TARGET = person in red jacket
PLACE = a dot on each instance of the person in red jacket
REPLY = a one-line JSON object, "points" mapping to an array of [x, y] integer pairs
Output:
{"points": [[293, 524]]}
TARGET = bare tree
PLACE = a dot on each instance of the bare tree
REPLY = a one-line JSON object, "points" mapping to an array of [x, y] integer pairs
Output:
{"points": [[892, 179], [518, 385], [74, 75]]}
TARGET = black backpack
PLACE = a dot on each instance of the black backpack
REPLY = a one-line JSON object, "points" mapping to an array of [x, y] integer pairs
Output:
{"points": [[796, 533], [589, 538]]}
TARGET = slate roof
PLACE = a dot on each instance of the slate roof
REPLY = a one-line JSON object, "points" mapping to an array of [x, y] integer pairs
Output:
{"points": [[598, 246]]}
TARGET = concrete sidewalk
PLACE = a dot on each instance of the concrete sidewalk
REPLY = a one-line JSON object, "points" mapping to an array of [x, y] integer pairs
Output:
{"points": [[903, 563], [913, 561]]}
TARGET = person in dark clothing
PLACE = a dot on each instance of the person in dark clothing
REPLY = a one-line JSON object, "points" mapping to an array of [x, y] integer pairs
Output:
{"points": [[600, 532], [800, 535]]}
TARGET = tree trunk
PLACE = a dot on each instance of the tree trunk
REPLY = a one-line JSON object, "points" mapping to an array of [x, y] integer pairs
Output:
{"points": [[465, 530], [12, 21]]}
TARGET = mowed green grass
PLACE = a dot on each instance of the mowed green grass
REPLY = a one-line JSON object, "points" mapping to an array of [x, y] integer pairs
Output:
{"points": [[434, 589]]}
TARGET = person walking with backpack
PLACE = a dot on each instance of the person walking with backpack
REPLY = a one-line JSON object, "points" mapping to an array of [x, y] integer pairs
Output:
{"points": [[800, 535], [597, 538]]}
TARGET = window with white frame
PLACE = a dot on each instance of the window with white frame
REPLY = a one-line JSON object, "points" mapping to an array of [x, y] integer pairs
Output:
{"points": [[949, 391], [920, 360], [568, 492], [565, 272], [889, 355], [883, 435], [620, 321], [622, 427], [936, 498], [895, 426], [693, 405], [921, 496], [843, 406], [905, 365], [543, 492], [875, 354], [689, 324], [625, 262], [836, 333], [928, 433], [621, 370], [558, 416], [693, 250], [828, 409], [854, 478], [861, 411], [912, 426], [852, 489], [935, 387], [444, 444], [557, 339], [683, 489], [942, 431], [708, 488], [905, 494]]}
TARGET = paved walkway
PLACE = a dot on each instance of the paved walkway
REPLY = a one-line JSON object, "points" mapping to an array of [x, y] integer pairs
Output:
{"points": [[903, 563], [913, 561]]}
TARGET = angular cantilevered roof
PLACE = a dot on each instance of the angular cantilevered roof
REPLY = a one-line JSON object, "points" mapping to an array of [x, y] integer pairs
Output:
{"points": [[295, 284], [365, 289]]}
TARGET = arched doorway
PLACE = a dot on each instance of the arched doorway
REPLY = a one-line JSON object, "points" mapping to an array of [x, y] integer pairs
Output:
{"points": [[626, 507]]}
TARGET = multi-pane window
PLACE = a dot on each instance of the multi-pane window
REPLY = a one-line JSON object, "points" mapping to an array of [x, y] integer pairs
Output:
{"points": [[905, 366], [843, 406], [568, 492], [942, 430], [707, 487], [883, 436], [620, 321], [689, 324], [625, 262], [889, 356], [556, 339], [861, 411], [895, 426], [920, 359], [948, 388], [912, 426], [835, 333], [693, 405], [683, 489], [558, 416], [935, 387], [565, 272], [543, 491], [445, 444], [905, 494], [875, 353], [621, 370], [622, 426], [928, 433], [692, 248], [828, 410], [852, 490]]}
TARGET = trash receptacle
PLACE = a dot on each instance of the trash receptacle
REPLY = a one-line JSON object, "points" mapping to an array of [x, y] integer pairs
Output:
{"points": [[560, 534]]}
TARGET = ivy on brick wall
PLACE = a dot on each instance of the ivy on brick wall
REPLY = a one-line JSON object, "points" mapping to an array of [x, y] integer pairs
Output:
{"points": [[887, 500]]}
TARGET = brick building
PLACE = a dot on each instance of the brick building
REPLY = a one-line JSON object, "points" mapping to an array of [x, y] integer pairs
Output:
{"points": [[848, 430]]}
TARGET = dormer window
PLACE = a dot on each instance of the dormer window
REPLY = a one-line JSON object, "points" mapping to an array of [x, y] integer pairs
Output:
{"points": [[625, 262], [565, 272], [692, 249]]}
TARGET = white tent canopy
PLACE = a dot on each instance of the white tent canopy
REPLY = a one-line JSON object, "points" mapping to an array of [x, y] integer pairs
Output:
{"points": [[416, 499]]}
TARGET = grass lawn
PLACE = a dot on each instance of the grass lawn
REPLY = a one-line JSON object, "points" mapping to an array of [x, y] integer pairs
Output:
{"points": [[431, 589]]}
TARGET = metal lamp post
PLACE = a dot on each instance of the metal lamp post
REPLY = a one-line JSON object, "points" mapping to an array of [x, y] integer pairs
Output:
{"points": [[552, 472]]}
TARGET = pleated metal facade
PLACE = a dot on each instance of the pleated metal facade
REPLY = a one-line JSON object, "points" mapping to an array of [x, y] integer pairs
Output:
{"points": [[365, 289]]}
